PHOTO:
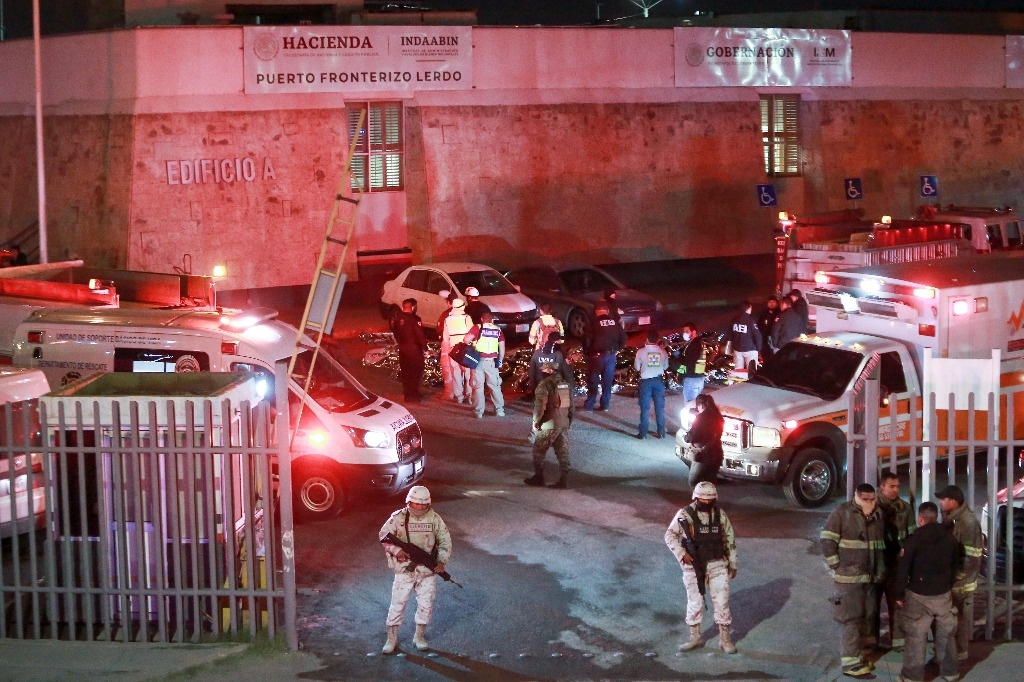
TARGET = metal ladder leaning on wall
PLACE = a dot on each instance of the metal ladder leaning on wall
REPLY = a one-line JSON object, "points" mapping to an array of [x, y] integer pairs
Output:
{"points": [[328, 278]]}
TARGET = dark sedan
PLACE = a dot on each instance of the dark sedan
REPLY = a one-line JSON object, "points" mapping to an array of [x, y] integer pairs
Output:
{"points": [[572, 291]]}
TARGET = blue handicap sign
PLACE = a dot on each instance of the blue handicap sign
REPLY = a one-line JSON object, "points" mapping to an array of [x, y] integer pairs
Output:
{"points": [[929, 186], [766, 196], [853, 189]]}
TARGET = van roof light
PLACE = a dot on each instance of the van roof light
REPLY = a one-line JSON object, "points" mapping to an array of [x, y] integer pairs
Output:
{"points": [[243, 319]]}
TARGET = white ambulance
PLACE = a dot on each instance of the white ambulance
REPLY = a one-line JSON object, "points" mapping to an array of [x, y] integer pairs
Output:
{"points": [[787, 424], [348, 439]]}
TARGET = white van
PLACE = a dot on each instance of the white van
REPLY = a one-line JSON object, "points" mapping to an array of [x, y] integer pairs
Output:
{"points": [[348, 439], [21, 483]]}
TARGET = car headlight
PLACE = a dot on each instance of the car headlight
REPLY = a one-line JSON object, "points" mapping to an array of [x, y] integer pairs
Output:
{"points": [[765, 437], [363, 438], [686, 417]]}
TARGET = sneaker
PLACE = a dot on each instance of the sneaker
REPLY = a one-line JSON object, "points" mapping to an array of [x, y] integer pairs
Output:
{"points": [[479, 415], [640, 436], [500, 413], [660, 436], [600, 408], [859, 670]]}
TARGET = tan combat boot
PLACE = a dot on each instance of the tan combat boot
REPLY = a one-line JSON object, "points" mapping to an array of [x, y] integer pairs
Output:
{"points": [[389, 646], [419, 640], [725, 639], [694, 641]]}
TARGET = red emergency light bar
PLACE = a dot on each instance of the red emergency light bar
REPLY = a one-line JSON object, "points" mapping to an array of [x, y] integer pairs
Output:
{"points": [[873, 284]]}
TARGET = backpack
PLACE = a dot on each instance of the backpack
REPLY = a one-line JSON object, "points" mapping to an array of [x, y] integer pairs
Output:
{"points": [[547, 329], [465, 355]]}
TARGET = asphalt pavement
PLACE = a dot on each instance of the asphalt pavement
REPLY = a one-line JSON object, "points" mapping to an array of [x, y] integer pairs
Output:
{"points": [[781, 622]]}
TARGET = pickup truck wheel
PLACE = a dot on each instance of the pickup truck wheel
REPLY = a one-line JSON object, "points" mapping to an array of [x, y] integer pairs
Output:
{"points": [[576, 323], [317, 494], [811, 478]]}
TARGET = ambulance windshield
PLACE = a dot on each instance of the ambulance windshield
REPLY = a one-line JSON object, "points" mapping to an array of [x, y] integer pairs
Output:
{"points": [[332, 386], [822, 371]]}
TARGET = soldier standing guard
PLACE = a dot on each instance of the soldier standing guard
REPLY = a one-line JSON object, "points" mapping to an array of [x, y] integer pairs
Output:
{"points": [[420, 525], [552, 416], [701, 538]]}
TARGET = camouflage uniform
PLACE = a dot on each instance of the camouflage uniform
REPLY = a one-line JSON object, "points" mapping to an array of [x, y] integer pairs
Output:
{"points": [[722, 559], [552, 415], [852, 546], [900, 520], [967, 530], [429, 533]]}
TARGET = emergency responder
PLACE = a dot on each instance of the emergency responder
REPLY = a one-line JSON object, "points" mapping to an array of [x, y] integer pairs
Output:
{"points": [[851, 544], [609, 299], [449, 299], [963, 524], [691, 369], [552, 416], [799, 304], [765, 322], [475, 308], [651, 361], [602, 343], [456, 325], [550, 352], [745, 338], [544, 326], [489, 341], [418, 524], [701, 538], [412, 349], [924, 579], [787, 327], [898, 519], [446, 373]]}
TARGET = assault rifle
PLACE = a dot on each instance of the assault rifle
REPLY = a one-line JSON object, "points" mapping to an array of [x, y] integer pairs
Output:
{"points": [[699, 569], [417, 555]]}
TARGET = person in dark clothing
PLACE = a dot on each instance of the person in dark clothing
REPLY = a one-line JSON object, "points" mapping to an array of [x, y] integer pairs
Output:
{"points": [[927, 569], [765, 322], [475, 308], [613, 305], [412, 347], [705, 439], [787, 327], [744, 337], [551, 352], [799, 304], [691, 368], [605, 337]]}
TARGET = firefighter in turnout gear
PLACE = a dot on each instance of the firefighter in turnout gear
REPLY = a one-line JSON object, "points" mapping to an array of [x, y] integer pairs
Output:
{"points": [[552, 417], [420, 525], [963, 524], [701, 538], [899, 518], [852, 543]]}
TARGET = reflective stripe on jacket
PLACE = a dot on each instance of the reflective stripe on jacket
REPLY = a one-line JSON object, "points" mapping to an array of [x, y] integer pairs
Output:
{"points": [[853, 545]]}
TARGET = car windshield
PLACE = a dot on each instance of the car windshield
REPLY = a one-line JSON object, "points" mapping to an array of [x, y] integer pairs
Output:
{"points": [[333, 388], [585, 280], [488, 282], [821, 371]]}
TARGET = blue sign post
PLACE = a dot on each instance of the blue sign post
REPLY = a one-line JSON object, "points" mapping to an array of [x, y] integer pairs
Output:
{"points": [[853, 189], [929, 186], [766, 196]]}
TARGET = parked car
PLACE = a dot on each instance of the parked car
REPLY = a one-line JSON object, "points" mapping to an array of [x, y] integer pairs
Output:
{"points": [[573, 290], [513, 311]]}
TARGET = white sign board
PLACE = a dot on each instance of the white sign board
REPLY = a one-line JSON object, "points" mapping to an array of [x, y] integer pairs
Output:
{"points": [[961, 377], [357, 58], [1015, 61], [760, 57]]}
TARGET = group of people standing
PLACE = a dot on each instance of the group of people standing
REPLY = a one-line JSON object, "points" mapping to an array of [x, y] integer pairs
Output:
{"points": [[927, 572]]}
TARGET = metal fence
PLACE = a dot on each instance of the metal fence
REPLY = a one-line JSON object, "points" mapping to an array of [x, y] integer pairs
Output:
{"points": [[942, 440], [136, 529]]}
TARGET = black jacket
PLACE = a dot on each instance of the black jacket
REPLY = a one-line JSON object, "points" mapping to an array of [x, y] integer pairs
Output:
{"points": [[744, 334], [930, 560], [408, 330], [705, 435], [788, 327], [475, 309], [604, 335], [549, 352]]}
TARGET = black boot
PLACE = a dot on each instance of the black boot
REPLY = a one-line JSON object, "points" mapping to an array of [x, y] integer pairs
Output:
{"points": [[562, 482], [537, 479]]}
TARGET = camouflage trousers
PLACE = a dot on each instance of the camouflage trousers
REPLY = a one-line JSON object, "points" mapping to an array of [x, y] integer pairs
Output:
{"points": [[425, 586], [717, 582], [557, 438]]}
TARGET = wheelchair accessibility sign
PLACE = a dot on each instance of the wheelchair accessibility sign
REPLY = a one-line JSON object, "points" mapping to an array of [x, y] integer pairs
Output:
{"points": [[853, 189], [766, 196], [929, 186]]}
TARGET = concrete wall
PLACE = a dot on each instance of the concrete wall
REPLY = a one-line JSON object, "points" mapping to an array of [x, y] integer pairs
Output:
{"points": [[573, 144]]}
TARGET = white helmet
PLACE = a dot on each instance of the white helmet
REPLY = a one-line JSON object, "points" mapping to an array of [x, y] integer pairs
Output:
{"points": [[705, 490], [472, 291], [418, 494]]}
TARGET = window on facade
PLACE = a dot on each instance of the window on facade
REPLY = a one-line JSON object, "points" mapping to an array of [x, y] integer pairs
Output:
{"points": [[780, 130], [377, 165]]}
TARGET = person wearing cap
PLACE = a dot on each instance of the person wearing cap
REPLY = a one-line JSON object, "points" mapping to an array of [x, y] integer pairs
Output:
{"points": [[545, 325], [609, 298], [551, 351], [927, 567], [852, 543], [552, 417], [489, 341], [651, 361], [788, 325], [456, 325], [605, 337], [412, 349], [799, 304], [475, 308], [744, 337], [418, 524], [961, 521], [701, 535]]}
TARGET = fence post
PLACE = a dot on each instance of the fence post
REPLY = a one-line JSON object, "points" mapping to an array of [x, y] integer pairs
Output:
{"points": [[284, 472]]}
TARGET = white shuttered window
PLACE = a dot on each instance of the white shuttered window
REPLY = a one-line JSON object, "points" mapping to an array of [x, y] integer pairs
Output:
{"points": [[378, 162], [780, 129]]}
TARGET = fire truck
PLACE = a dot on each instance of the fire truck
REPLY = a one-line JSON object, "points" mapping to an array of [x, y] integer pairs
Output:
{"points": [[787, 424]]}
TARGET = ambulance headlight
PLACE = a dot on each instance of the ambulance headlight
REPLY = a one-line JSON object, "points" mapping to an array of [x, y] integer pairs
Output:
{"points": [[317, 439], [765, 437], [686, 417], [363, 438]]}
